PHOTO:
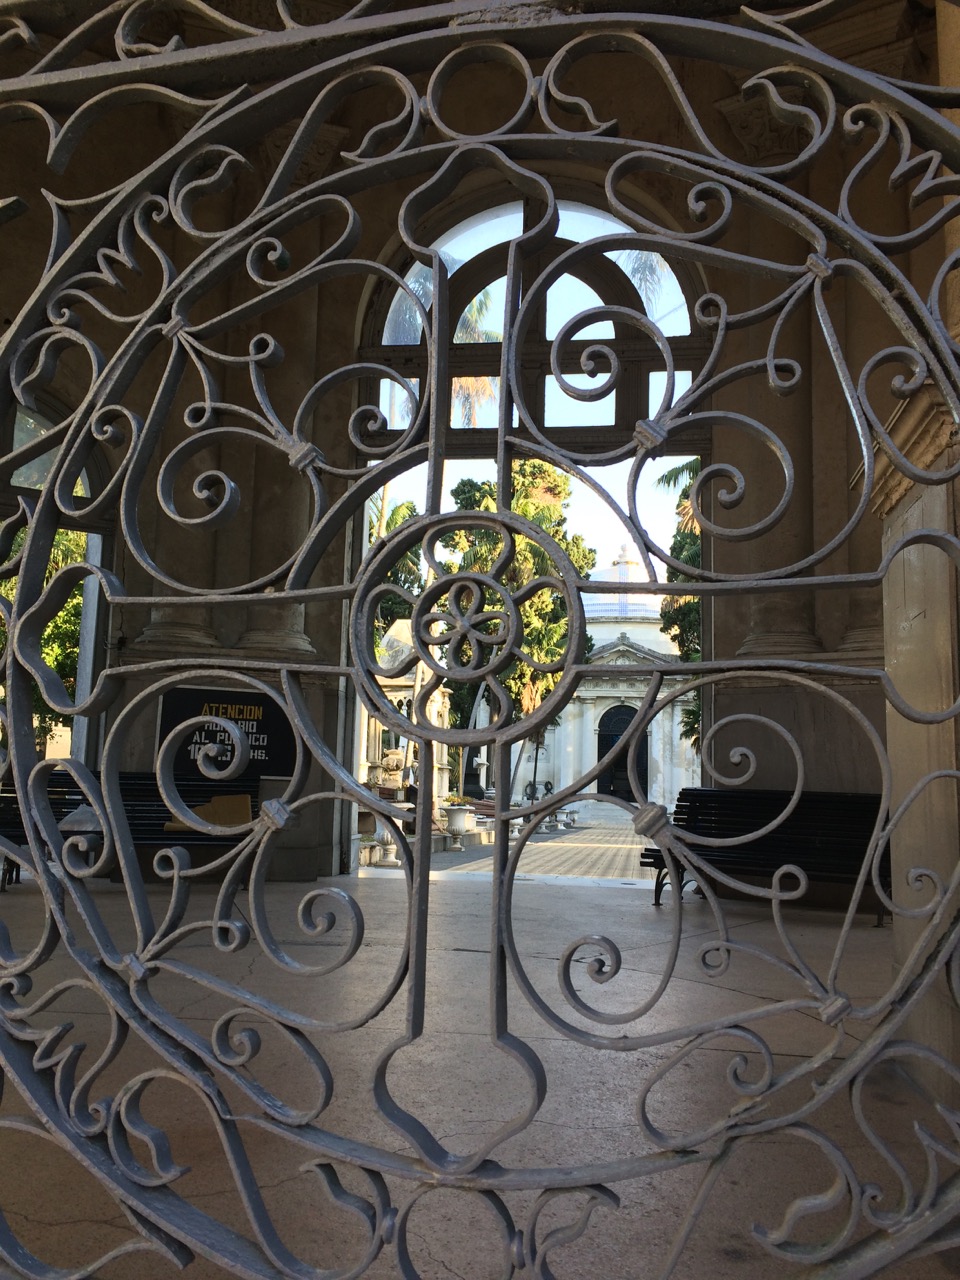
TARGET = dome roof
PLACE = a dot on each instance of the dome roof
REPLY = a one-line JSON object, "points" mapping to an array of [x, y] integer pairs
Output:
{"points": [[623, 604]]}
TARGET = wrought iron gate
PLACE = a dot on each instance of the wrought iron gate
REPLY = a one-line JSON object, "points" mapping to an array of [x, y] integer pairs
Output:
{"points": [[203, 372]]}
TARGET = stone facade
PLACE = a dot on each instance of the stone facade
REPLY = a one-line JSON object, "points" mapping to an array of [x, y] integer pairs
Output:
{"points": [[627, 641]]}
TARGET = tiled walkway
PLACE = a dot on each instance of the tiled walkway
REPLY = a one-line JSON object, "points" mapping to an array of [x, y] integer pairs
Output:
{"points": [[604, 847]]}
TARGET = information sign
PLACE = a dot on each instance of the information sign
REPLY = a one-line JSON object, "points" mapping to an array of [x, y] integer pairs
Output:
{"points": [[272, 744]]}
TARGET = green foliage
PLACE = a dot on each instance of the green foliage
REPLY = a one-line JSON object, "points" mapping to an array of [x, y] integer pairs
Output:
{"points": [[691, 719], [60, 649], [684, 473], [60, 646], [407, 572], [540, 495], [680, 615]]}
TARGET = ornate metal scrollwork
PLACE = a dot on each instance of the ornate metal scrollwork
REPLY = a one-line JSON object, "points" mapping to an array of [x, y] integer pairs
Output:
{"points": [[198, 335]]}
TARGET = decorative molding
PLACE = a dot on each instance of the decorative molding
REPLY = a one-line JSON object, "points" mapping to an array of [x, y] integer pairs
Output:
{"points": [[169, 636], [879, 38], [623, 650], [318, 159], [921, 428], [275, 641], [867, 32], [764, 138], [902, 60]]}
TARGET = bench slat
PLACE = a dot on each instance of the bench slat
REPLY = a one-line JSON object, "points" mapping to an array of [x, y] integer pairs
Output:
{"points": [[146, 812]]}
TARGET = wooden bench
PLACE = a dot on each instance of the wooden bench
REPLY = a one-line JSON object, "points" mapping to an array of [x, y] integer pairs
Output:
{"points": [[826, 835], [152, 825], [152, 822]]}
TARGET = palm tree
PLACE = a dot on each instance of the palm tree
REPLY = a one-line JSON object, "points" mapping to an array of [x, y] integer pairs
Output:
{"points": [[683, 474], [384, 519], [407, 572], [403, 328], [473, 392], [646, 271]]}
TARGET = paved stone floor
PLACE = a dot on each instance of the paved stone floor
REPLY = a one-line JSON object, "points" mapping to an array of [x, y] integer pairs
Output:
{"points": [[472, 1092], [601, 845]]}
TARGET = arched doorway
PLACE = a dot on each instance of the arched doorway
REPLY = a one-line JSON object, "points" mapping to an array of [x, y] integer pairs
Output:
{"points": [[615, 778]]}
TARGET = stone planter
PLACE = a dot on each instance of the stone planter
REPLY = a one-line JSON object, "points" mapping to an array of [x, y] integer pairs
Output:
{"points": [[387, 854]]}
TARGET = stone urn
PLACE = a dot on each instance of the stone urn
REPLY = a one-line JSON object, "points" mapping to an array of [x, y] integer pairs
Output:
{"points": [[387, 848], [456, 824]]}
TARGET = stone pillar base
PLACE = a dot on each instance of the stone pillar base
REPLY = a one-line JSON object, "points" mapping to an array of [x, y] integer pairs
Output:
{"points": [[862, 642], [271, 642], [176, 636], [780, 644]]}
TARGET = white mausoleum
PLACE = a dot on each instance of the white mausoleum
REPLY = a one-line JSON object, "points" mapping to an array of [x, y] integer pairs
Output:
{"points": [[625, 630]]}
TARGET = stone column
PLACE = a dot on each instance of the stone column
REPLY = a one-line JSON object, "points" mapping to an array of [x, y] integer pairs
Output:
{"points": [[780, 624], [863, 326], [280, 499], [276, 629], [282, 492], [176, 630], [186, 554]]}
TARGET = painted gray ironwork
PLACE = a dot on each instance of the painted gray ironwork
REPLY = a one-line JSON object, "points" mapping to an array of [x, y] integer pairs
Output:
{"points": [[183, 372]]}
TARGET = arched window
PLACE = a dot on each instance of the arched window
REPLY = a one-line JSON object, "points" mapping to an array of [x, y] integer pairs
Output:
{"points": [[563, 384]]}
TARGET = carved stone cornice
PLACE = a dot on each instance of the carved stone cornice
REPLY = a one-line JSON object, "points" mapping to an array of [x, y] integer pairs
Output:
{"points": [[883, 38], [921, 428], [879, 37], [306, 12], [901, 60], [867, 31]]}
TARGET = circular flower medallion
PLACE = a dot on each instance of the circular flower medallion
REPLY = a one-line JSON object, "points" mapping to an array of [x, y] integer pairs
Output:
{"points": [[498, 608], [461, 633]]}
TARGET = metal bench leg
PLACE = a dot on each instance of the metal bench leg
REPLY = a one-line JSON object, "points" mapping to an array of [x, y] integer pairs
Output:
{"points": [[663, 875]]}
